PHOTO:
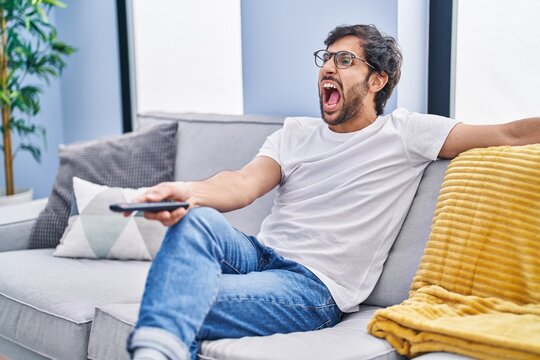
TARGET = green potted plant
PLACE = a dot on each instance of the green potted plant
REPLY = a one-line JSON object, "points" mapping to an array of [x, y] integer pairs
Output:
{"points": [[30, 54]]}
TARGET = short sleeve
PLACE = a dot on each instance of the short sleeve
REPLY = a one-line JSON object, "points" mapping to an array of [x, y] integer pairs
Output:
{"points": [[423, 134], [272, 145]]}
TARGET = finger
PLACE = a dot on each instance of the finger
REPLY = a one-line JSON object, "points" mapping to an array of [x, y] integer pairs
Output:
{"points": [[159, 216], [176, 216], [168, 223], [170, 218], [128, 213], [142, 198], [162, 191], [155, 193], [164, 217]]}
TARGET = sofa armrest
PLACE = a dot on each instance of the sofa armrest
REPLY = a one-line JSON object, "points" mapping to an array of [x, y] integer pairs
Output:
{"points": [[16, 222]]}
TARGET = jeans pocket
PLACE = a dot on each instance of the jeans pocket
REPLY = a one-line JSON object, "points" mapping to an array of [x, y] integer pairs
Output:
{"points": [[330, 300]]}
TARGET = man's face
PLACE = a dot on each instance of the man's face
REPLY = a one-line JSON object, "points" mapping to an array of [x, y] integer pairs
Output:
{"points": [[342, 91]]}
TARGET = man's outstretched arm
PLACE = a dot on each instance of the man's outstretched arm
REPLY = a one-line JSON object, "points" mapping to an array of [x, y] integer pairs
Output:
{"points": [[225, 191], [464, 137]]}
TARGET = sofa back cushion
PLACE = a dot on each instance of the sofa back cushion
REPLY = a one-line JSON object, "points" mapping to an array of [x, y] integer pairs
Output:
{"points": [[208, 144], [404, 257]]}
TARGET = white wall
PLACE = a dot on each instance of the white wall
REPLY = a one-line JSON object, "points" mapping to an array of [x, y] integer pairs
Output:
{"points": [[497, 57], [188, 56], [413, 38]]}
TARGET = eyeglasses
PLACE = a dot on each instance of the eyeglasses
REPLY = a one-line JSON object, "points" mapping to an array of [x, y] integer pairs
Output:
{"points": [[343, 59]]}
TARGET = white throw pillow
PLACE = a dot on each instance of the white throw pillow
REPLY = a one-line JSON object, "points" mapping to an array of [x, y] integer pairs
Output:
{"points": [[95, 232]]}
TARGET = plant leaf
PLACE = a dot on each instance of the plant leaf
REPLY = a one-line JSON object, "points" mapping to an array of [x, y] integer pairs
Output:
{"points": [[55, 3], [33, 150], [35, 28], [43, 14], [34, 52], [4, 99]]}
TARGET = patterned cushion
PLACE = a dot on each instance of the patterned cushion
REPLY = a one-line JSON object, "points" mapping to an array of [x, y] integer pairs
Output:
{"points": [[133, 160], [96, 232]]}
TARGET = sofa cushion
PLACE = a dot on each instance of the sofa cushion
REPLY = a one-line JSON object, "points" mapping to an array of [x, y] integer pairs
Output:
{"points": [[95, 232], [225, 142], [134, 160], [404, 257], [47, 303], [16, 222], [110, 329], [347, 340]]}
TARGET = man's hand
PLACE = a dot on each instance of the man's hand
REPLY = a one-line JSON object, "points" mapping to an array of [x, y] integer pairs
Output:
{"points": [[225, 191], [179, 191]]}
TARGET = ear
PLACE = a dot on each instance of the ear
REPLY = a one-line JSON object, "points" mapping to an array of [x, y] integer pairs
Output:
{"points": [[377, 81]]}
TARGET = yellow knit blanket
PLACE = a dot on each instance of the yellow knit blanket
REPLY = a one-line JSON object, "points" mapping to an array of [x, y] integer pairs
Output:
{"points": [[477, 289]]}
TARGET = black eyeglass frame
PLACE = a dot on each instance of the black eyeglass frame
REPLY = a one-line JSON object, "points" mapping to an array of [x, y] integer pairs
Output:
{"points": [[333, 55]]}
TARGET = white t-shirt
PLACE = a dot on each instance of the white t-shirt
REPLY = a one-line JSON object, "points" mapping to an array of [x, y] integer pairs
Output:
{"points": [[343, 196]]}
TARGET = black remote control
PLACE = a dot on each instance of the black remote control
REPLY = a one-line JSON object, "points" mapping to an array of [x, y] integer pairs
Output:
{"points": [[152, 206]]}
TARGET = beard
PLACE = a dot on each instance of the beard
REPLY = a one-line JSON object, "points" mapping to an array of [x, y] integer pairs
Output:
{"points": [[353, 104]]}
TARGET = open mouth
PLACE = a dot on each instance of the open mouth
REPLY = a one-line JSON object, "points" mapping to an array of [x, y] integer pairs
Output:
{"points": [[331, 95]]}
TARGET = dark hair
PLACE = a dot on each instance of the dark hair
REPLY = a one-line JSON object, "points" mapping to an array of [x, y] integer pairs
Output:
{"points": [[381, 51]]}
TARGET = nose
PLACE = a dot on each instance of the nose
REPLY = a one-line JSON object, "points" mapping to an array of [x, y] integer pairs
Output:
{"points": [[329, 67]]}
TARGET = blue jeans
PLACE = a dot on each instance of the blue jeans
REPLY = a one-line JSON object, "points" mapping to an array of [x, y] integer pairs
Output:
{"points": [[210, 281]]}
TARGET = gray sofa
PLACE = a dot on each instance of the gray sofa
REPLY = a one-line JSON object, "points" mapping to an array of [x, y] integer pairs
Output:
{"points": [[73, 309]]}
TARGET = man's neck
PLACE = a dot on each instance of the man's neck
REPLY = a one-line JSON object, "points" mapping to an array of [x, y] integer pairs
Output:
{"points": [[356, 124]]}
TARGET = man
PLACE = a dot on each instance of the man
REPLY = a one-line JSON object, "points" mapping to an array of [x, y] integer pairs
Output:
{"points": [[345, 186]]}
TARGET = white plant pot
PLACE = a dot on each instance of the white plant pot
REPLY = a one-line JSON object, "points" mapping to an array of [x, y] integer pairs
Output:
{"points": [[20, 196]]}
